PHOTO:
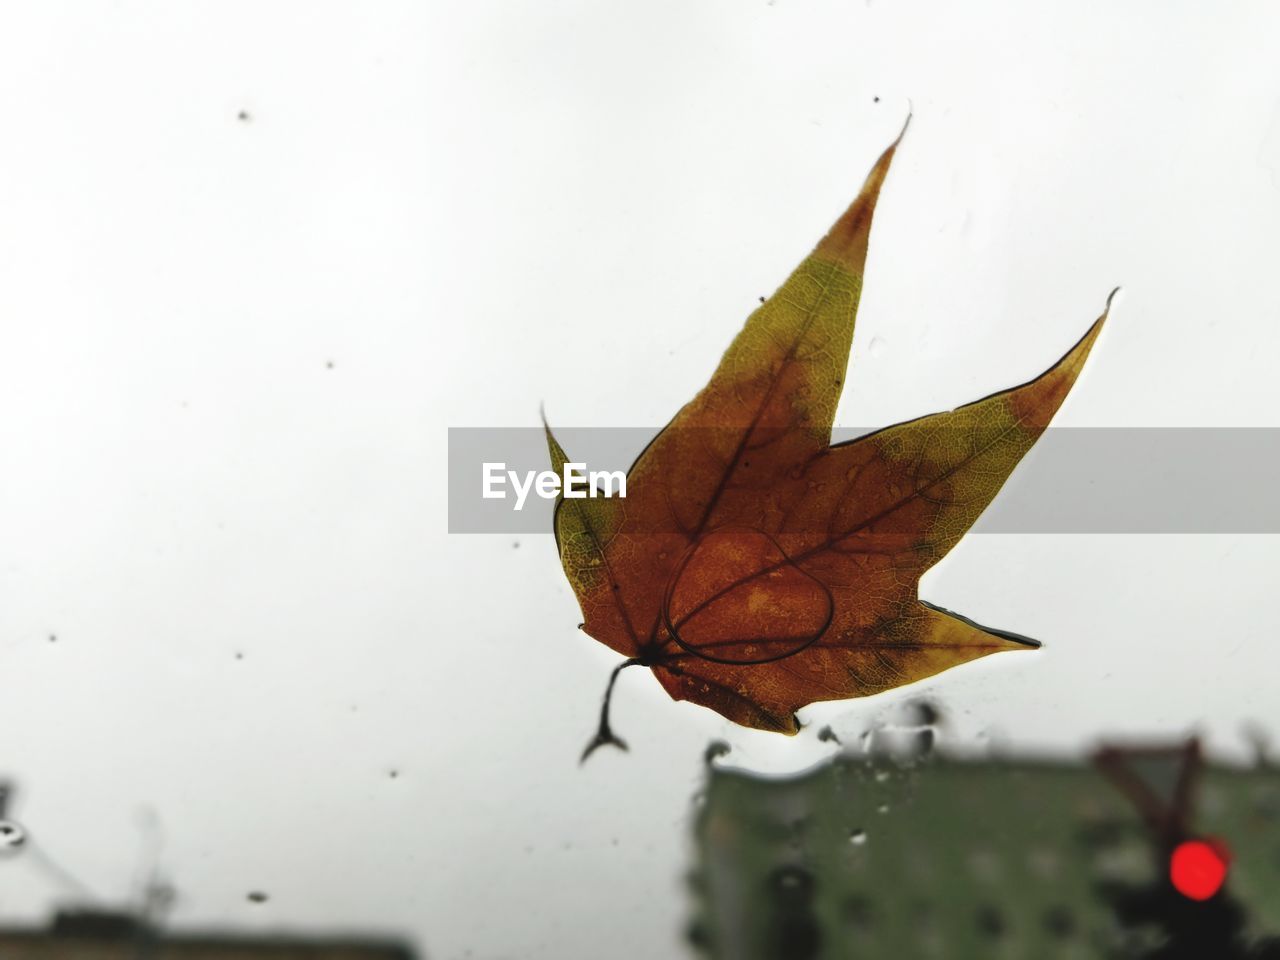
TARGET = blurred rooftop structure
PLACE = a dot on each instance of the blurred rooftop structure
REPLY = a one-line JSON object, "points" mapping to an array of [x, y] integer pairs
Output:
{"points": [[116, 936]]}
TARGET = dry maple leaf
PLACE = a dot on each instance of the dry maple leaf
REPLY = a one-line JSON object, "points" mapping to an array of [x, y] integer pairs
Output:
{"points": [[756, 568]]}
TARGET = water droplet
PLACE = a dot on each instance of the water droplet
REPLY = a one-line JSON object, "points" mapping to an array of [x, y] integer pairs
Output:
{"points": [[876, 347], [858, 837], [920, 713], [1060, 922], [698, 936], [990, 921], [883, 808], [791, 880], [716, 748], [925, 740], [12, 835]]}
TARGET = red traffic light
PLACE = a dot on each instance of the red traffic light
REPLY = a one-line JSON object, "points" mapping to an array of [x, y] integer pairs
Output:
{"points": [[1198, 868]]}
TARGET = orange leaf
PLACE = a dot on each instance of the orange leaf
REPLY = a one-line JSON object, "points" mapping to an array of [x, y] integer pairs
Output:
{"points": [[754, 567]]}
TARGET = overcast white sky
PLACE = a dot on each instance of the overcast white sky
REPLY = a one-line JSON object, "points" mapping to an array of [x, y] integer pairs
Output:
{"points": [[230, 349]]}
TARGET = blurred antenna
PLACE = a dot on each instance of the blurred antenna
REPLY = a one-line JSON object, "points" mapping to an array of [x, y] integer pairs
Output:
{"points": [[61, 874], [154, 893]]}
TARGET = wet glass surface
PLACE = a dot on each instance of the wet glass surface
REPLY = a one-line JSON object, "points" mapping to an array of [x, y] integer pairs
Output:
{"points": [[257, 260]]}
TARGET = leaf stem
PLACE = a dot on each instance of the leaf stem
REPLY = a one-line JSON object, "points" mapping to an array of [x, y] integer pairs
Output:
{"points": [[604, 733]]}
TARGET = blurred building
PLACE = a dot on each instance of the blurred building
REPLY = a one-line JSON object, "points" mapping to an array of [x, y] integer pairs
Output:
{"points": [[109, 936], [103, 935], [871, 858]]}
